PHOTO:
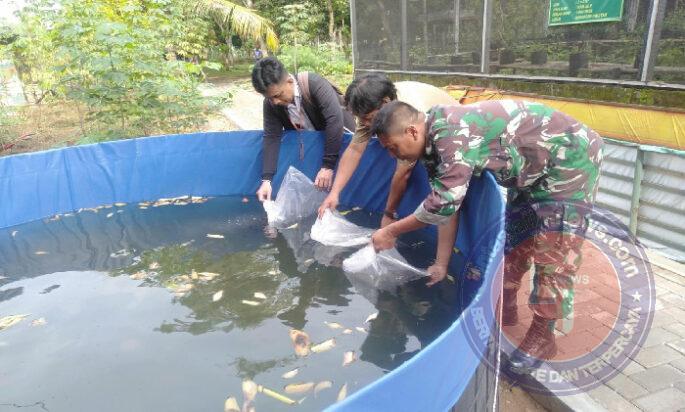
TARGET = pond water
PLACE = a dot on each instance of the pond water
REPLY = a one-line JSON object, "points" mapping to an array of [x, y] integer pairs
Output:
{"points": [[133, 307]]}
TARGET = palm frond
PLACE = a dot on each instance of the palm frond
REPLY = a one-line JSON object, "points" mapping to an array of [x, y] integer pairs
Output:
{"points": [[238, 19]]}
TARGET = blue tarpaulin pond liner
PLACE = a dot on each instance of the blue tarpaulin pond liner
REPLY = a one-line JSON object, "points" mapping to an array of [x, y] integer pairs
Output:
{"points": [[447, 372]]}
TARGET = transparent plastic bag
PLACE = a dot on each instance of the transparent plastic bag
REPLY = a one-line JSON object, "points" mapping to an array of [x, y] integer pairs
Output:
{"points": [[386, 270], [334, 230], [297, 199]]}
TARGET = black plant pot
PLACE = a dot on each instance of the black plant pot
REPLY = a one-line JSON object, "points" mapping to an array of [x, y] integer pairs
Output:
{"points": [[506, 57], [538, 57], [577, 61]]}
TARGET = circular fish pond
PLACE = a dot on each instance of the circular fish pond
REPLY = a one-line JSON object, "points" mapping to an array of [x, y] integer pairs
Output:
{"points": [[189, 304]]}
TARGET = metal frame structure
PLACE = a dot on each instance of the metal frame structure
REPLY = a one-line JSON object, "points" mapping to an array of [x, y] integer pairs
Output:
{"points": [[648, 61]]}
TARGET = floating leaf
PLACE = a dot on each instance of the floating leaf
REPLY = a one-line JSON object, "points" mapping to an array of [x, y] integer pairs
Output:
{"points": [[231, 405], [300, 341], [207, 275], [250, 303], [194, 275], [290, 374], [324, 346], [360, 329], [342, 394], [321, 386], [347, 332], [259, 295], [249, 390], [120, 204], [40, 253], [348, 358], [213, 236], [217, 296], [273, 394], [14, 233], [11, 320], [109, 215], [334, 325], [298, 388], [371, 317], [293, 226], [39, 322]]}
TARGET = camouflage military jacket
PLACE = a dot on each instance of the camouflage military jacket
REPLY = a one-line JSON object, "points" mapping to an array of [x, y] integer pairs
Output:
{"points": [[528, 146]]}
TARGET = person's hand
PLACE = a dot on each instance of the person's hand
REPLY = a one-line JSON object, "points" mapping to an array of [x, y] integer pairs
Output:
{"points": [[324, 179], [264, 192], [437, 273], [331, 202], [383, 239], [387, 220]]}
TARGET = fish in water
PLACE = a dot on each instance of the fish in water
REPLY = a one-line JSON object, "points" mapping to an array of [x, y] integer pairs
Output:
{"points": [[347, 332], [298, 388], [321, 386], [290, 374], [334, 325], [342, 394], [231, 405], [371, 317], [259, 295], [300, 341], [250, 303], [348, 358], [324, 346], [11, 320], [217, 296], [213, 236]]}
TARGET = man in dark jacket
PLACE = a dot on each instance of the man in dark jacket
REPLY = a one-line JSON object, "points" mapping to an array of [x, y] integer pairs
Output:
{"points": [[289, 105]]}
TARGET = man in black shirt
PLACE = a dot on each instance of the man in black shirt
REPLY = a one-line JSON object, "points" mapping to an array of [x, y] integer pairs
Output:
{"points": [[303, 102]]}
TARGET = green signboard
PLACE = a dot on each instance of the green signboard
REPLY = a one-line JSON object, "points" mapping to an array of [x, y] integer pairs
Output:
{"points": [[584, 11]]}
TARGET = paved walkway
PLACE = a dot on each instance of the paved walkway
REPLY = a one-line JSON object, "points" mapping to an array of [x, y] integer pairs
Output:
{"points": [[655, 380]]}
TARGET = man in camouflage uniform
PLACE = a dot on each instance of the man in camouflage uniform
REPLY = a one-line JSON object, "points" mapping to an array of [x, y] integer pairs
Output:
{"points": [[550, 163]]}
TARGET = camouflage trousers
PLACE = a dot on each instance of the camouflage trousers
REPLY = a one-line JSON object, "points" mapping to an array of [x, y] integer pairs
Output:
{"points": [[549, 237]]}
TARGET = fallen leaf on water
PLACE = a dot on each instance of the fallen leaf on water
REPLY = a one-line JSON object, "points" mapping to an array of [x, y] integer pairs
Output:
{"points": [[321, 386], [120, 204], [11, 320], [193, 275], [142, 207], [273, 272], [120, 253], [300, 341], [231, 405], [333, 325], [308, 261], [290, 374], [259, 295], [250, 303], [450, 278], [342, 394], [141, 274], [208, 275], [213, 236], [371, 317], [217, 296], [348, 358], [14, 233], [293, 226], [345, 212], [40, 253], [275, 395], [360, 329], [183, 288], [118, 211], [39, 322], [324, 346], [249, 391], [298, 388], [356, 208], [347, 332], [154, 266]]}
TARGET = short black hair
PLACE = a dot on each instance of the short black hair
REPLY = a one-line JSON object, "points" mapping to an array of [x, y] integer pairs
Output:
{"points": [[267, 72], [366, 93], [392, 116]]}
